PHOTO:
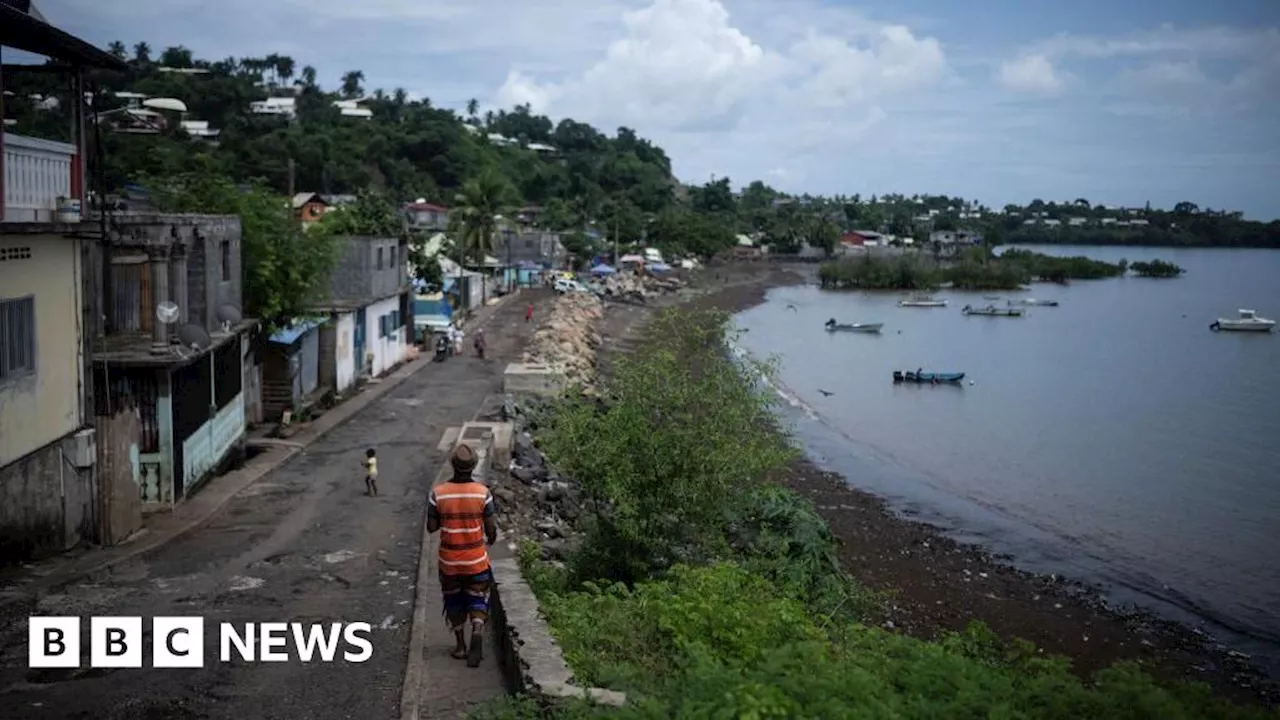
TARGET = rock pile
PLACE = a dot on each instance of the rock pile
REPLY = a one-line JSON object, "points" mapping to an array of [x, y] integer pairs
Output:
{"points": [[569, 338], [534, 502], [636, 288]]}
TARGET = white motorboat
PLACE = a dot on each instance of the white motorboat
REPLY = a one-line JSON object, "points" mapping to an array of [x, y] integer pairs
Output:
{"points": [[922, 301], [833, 326], [1247, 322]]}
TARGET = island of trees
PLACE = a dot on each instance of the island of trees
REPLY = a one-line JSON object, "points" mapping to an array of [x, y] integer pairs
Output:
{"points": [[977, 268]]}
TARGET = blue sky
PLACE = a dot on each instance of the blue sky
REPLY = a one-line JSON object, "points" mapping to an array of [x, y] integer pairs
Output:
{"points": [[1120, 102]]}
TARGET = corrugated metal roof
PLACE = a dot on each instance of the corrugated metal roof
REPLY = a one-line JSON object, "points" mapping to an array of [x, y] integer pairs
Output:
{"points": [[290, 335]]}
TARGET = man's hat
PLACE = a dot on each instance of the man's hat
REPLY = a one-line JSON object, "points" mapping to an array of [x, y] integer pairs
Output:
{"points": [[464, 459]]}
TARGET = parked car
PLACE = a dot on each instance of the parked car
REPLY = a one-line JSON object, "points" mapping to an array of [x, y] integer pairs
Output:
{"points": [[564, 285]]}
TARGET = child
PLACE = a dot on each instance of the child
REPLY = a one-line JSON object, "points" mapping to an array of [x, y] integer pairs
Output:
{"points": [[371, 472]]}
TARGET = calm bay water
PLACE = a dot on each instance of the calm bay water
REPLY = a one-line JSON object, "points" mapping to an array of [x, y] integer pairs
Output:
{"points": [[1113, 439]]}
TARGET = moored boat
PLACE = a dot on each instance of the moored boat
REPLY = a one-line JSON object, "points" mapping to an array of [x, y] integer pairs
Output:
{"points": [[1247, 322], [929, 378], [833, 326], [992, 311], [922, 301], [1035, 303]]}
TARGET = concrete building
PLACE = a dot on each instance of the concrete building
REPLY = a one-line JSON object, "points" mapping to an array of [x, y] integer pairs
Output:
{"points": [[51, 496], [369, 312], [172, 355]]}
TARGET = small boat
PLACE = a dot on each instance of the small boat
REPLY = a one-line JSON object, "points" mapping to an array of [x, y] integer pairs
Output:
{"points": [[1035, 303], [990, 297], [1247, 322], [992, 311], [833, 326], [926, 377], [922, 301]]}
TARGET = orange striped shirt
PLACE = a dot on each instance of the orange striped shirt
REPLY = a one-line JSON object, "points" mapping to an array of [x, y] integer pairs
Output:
{"points": [[461, 509]]}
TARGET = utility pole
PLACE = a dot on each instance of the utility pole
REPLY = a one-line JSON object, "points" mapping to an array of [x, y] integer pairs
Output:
{"points": [[292, 169]]}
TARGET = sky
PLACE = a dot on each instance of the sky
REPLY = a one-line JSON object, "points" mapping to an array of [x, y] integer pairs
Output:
{"points": [[1121, 102]]}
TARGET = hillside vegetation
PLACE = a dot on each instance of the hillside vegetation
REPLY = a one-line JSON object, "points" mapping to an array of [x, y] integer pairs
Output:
{"points": [[619, 184]]}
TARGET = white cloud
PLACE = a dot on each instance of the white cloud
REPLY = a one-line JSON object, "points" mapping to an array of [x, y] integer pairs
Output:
{"points": [[682, 68], [1031, 73]]}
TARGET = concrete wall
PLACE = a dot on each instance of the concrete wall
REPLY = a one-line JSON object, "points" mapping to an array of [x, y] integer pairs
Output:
{"points": [[358, 276], [345, 351], [46, 505], [385, 351], [42, 406], [204, 237]]}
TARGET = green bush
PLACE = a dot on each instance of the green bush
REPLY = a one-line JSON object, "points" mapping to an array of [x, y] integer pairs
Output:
{"points": [[720, 641], [679, 440]]}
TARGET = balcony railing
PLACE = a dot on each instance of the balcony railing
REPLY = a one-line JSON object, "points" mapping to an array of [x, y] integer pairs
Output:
{"points": [[37, 172]]}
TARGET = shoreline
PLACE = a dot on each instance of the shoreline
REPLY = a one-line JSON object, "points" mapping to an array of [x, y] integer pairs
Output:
{"points": [[938, 584]]}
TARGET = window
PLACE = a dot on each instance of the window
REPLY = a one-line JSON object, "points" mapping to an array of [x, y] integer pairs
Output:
{"points": [[395, 321], [393, 257], [226, 261], [383, 320], [379, 258], [17, 338]]}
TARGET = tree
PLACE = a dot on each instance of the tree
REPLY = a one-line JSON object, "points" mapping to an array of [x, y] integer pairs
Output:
{"points": [[308, 76], [284, 68], [473, 107], [474, 216], [142, 53], [117, 49], [371, 215], [176, 57], [351, 87], [285, 270]]}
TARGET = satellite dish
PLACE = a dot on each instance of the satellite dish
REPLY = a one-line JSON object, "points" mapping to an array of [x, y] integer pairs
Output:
{"points": [[167, 312], [172, 104], [229, 315], [194, 337]]}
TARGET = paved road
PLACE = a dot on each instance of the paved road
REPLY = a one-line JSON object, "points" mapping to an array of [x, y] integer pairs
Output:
{"points": [[302, 544]]}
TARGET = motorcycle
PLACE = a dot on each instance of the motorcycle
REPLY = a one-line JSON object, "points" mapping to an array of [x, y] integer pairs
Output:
{"points": [[442, 348]]}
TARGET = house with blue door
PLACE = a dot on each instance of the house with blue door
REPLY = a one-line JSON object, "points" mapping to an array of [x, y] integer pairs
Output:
{"points": [[369, 312]]}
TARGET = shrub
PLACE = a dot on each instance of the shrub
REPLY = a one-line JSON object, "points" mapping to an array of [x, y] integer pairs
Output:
{"points": [[681, 438]]}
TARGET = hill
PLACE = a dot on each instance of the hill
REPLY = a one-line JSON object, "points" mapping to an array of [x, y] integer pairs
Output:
{"points": [[346, 140]]}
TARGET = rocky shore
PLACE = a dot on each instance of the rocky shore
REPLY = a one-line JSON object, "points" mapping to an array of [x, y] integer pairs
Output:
{"points": [[933, 583]]}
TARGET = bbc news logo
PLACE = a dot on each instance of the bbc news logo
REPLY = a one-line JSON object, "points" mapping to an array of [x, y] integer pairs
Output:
{"points": [[178, 642]]}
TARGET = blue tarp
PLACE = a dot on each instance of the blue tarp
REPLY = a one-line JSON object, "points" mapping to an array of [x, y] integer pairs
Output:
{"points": [[659, 267], [602, 269], [290, 335]]}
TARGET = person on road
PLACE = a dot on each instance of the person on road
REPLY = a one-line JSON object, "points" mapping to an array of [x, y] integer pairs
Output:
{"points": [[528, 313], [371, 472], [463, 511], [479, 344]]}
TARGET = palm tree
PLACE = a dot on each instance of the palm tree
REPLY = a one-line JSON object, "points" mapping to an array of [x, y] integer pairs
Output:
{"points": [[308, 76], [284, 68], [473, 106], [351, 84], [142, 53], [474, 217], [117, 48]]}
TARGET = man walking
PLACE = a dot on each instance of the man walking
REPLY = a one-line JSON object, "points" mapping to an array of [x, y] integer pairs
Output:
{"points": [[528, 313], [464, 512]]}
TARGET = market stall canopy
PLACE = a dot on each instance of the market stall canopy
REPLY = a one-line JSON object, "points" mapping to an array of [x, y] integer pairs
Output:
{"points": [[602, 269]]}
